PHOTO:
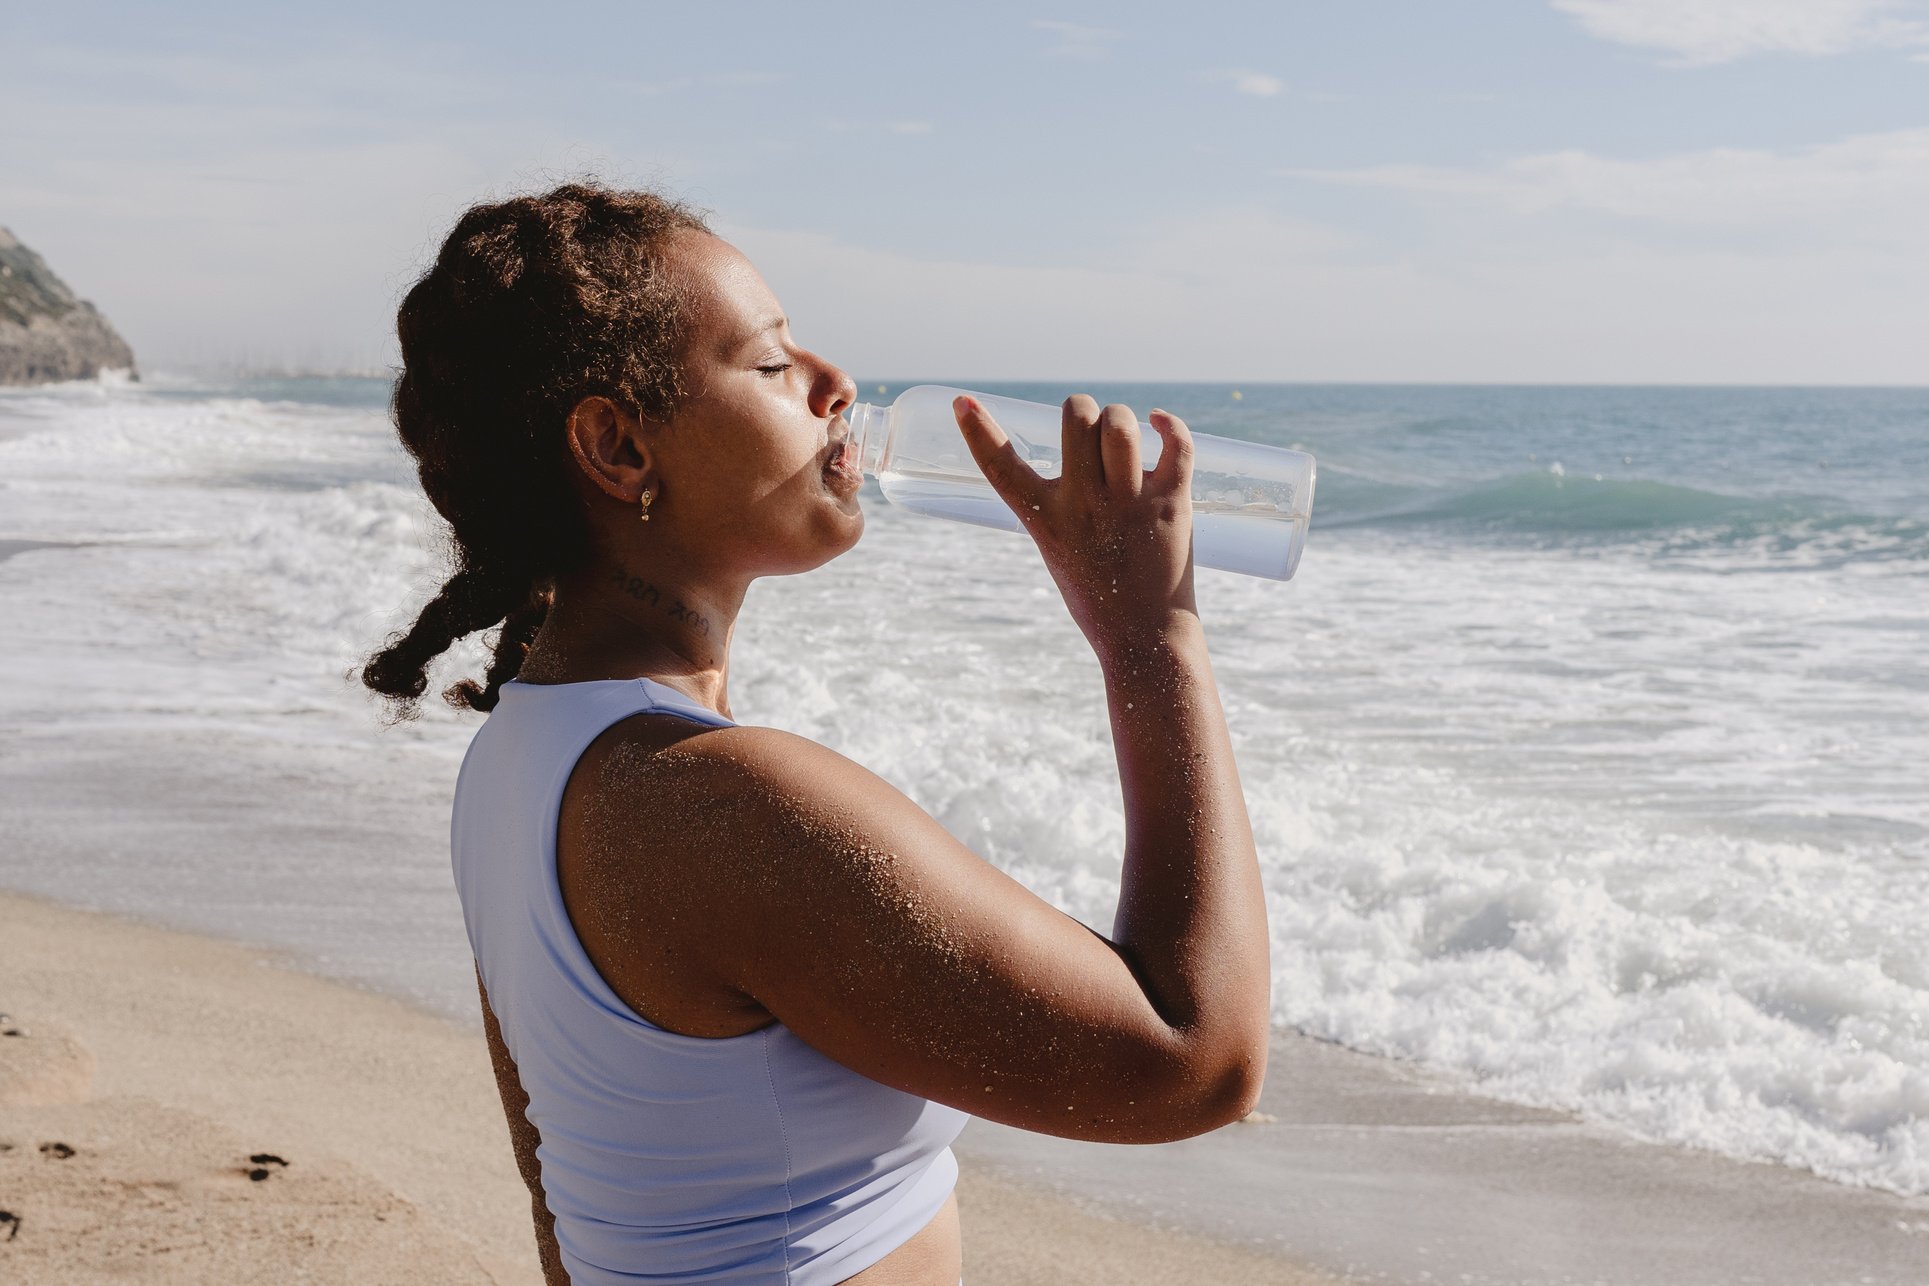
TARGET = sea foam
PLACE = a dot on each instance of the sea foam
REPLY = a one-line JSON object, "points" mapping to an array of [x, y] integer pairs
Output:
{"points": [[1600, 814]]}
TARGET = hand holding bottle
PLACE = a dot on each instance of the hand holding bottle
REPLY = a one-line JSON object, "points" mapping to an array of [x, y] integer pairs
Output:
{"points": [[1251, 503], [1116, 538]]}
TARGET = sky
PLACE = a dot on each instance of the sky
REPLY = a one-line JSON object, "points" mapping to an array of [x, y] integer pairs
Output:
{"points": [[1507, 191]]}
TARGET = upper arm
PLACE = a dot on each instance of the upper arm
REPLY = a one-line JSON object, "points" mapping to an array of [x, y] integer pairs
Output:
{"points": [[822, 892]]}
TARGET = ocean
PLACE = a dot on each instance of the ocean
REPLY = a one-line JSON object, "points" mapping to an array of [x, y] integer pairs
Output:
{"points": [[1585, 753]]}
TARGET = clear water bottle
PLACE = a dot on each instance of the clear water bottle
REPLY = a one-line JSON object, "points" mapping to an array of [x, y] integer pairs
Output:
{"points": [[1250, 503]]}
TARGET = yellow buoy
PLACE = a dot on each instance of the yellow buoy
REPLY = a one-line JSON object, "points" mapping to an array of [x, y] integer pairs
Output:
{"points": [[880, 388], [1237, 395]]}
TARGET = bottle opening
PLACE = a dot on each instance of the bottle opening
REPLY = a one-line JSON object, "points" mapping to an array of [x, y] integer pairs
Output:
{"points": [[867, 435]]}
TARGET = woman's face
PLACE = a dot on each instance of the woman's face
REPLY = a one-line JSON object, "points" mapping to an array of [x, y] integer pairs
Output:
{"points": [[742, 462]]}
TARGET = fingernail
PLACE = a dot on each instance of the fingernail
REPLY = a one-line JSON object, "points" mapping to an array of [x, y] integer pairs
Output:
{"points": [[962, 404]]}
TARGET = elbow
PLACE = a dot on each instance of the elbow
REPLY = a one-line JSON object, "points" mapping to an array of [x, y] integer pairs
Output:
{"points": [[1214, 1097], [1237, 1090], [1233, 1093]]}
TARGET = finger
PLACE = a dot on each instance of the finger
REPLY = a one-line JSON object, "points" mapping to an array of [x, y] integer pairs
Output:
{"points": [[1082, 469], [1015, 481], [1118, 448], [1173, 472]]}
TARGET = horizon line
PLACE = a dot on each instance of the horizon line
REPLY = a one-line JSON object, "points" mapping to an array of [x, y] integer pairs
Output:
{"points": [[391, 372]]}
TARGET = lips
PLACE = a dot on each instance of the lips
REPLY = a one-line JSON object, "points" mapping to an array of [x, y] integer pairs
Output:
{"points": [[840, 470]]}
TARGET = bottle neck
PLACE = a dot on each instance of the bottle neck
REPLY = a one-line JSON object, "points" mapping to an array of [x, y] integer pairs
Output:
{"points": [[870, 435]]}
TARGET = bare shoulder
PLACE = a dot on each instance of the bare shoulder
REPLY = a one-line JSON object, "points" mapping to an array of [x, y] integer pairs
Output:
{"points": [[715, 764], [758, 818], [654, 786]]}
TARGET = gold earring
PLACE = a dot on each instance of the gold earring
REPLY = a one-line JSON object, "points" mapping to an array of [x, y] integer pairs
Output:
{"points": [[646, 505]]}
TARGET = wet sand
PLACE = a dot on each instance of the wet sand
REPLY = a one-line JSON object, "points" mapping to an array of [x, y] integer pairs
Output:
{"points": [[1390, 1172], [12, 548]]}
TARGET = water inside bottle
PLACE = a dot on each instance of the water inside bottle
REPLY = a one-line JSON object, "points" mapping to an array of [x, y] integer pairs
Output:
{"points": [[1256, 538]]}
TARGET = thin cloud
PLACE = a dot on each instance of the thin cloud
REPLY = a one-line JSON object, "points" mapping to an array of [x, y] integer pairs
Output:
{"points": [[1246, 81], [1080, 42], [1876, 184], [1701, 33]]}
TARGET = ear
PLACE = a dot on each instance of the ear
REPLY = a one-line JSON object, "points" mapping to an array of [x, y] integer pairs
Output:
{"points": [[610, 448]]}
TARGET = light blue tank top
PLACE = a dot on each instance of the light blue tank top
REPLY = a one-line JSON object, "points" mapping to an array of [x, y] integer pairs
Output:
{"points": [[749, 1159]]}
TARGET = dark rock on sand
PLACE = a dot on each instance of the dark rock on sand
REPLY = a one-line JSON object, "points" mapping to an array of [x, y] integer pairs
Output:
{"points": [[261, 1163], [46, 334]]}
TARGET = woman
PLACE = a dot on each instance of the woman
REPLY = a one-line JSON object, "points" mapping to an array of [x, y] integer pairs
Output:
{"points": [[740, 993]]}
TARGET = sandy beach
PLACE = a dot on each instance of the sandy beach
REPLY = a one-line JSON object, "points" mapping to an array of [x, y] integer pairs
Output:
{"points": [[179, 1109]]}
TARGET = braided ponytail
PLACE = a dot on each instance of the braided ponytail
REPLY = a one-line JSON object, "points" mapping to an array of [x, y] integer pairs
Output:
{"points": [[473, 599], [533, 304], [512, 645]]}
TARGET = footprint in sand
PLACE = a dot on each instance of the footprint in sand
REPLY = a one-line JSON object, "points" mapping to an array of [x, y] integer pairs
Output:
{"points": [[156, 1193], [11, 1223], [56, 1151]]}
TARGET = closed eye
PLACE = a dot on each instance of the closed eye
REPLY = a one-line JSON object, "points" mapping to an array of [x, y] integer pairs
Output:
{"points": [[778, 369]]}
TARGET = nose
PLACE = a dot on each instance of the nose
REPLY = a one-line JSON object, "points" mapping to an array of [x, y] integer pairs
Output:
{"points": [[832, 391]]}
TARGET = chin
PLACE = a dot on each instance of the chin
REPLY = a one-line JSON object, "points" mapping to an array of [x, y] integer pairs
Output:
{"points": [[849, 532], [838, 533]]}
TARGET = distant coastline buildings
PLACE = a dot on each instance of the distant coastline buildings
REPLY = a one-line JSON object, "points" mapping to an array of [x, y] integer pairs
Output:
{"points": [[46, 334]]}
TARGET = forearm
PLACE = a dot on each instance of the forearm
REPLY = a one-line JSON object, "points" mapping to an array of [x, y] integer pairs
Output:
{"points": [[1192, 913]]}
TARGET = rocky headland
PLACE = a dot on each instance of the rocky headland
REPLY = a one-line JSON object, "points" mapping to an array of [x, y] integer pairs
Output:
{"points": [[46, 334]]}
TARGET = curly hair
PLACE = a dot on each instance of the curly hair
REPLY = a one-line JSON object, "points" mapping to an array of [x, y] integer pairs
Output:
{"points": [[533, 304]]}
